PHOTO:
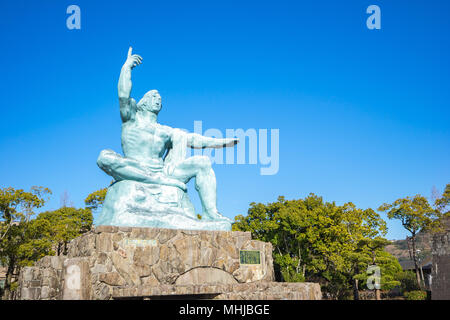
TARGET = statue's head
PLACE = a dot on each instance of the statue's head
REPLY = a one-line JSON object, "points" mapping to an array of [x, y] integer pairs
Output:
{"points": [[151, 101]]}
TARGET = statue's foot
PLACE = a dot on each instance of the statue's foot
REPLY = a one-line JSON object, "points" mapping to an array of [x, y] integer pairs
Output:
{"points": [[215, 217]]}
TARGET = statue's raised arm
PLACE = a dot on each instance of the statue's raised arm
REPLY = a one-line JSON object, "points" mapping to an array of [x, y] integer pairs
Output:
{"points": [[127, 104]]}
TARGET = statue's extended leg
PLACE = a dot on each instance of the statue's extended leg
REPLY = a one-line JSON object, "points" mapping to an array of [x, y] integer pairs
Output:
{"points": [[205, 182]]}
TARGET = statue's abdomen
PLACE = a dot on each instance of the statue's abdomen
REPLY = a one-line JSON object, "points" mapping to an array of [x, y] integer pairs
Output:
{"points": [[139, 143]]}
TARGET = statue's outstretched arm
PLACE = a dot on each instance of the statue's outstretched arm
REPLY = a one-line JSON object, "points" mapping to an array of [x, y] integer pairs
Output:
{"points": [[198, 141], [127, 104]]}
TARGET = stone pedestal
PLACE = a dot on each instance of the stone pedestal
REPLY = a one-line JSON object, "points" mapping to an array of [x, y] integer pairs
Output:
{"points": [[126, 262]]}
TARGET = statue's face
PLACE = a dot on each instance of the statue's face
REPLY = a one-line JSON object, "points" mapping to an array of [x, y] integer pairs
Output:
{"points": [[151, 101], [155, 104]]}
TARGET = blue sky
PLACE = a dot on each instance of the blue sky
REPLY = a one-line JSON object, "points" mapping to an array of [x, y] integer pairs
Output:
{"points": [[363, 114]]}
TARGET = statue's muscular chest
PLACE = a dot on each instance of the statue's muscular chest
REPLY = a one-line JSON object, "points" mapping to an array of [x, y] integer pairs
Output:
{"points": [[146, 138]]}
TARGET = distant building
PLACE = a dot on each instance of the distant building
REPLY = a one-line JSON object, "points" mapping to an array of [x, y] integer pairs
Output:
{"points": [[426, 271], [440, 288]]}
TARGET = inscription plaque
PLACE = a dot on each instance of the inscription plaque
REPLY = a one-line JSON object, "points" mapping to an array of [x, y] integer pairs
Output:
{"points": [[250, 257], [138, 242]]}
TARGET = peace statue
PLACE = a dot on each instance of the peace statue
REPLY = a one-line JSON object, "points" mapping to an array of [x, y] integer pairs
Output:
{"points": [[150, 179]]}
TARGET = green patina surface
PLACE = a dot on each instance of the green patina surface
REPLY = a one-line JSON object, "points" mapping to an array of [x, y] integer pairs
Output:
{"points": [[150, 178]]}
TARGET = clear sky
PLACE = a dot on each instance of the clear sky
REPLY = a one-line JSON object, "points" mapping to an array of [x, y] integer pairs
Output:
{"points": [[363, 114]]}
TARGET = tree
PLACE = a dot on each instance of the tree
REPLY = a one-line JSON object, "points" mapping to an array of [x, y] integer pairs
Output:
{"points": [[442, 203], [416, 215], [372, 252], [17, 208], [26, 238], [313, 239], [95, 200], [36, 244], [66, 224]]}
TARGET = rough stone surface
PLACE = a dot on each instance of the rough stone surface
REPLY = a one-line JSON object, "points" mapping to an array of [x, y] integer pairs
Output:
{"points": [[261, 290], [205, 275], [118, 262]]}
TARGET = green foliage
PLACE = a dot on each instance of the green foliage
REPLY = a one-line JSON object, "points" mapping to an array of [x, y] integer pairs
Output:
{"points": [[17, 205], [416, 295], [62, 225], [25, 240], [443, 203], [389, 268], [415, 213], [288, 267], [319, 241], [17, 230], [408, 281], [95, 200], [20, 240], [14, 286], [37, 244]]}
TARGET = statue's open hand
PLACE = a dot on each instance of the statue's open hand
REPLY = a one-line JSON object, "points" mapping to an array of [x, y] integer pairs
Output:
{"points": [[133, 60]]}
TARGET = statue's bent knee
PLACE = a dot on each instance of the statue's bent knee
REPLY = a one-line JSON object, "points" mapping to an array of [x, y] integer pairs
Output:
{"points": [[204, 162], [107, 159]]}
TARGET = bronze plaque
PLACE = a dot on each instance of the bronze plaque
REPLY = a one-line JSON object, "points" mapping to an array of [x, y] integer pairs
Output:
{"points": [[250, 257]]}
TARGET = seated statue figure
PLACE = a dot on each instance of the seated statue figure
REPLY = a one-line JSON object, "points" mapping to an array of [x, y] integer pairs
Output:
{"points": [[149, 188]]}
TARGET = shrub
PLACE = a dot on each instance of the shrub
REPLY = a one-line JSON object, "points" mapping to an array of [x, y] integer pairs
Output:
{"points": [[416, 295], [408, 281]]}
